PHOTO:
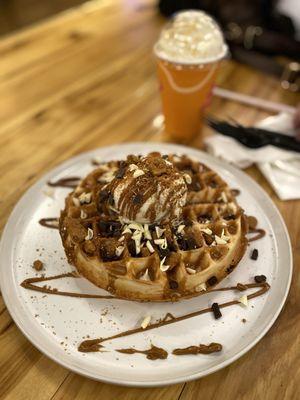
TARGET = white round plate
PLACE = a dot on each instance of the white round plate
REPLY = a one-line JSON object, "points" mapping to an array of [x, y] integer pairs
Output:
{"points": [[56, 324]]}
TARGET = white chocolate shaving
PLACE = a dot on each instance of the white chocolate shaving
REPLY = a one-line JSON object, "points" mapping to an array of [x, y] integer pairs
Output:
{"points": [[83, 214], [136, 226], [150, 247], [224, 197], [207, 231], [147, 233], [187, 178], [191, 270], [89, 235], [76, 201], [201, 287], [244, 300], [180, 228], [107, 177], [146, 322], [145, 276], [163, 267], [119, 250], [133, 167], [85, 198], [49, 193], [219, 240], [164, 245], [114, 209], [159, 231], [159, 242], [121, 239], [138, 172]]}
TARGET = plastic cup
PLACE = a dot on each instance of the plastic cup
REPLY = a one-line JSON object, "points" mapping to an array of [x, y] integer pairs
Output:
{"points": [[185, 91], [188, 53]]}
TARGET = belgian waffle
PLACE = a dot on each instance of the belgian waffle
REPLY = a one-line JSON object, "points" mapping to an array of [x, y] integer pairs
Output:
{"points": [[171, 261]]}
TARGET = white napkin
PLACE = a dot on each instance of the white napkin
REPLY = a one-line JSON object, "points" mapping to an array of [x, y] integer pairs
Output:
{"points": [[280, 167]]}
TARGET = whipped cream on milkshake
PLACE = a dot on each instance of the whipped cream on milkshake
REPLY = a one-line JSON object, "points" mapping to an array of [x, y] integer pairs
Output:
{"points": [[191, 37]]}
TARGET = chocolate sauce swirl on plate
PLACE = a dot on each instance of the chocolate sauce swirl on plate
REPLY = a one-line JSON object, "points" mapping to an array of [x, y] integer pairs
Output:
{"points": [[30, 284], [70, 182], [154, 353], [262, 289], [51, 223]]}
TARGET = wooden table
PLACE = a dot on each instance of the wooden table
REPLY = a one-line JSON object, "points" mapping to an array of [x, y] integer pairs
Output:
{"points": [[87, 79]]}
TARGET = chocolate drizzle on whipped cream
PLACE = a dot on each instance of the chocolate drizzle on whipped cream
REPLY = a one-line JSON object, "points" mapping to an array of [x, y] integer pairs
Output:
{"points": [[147, 189]]}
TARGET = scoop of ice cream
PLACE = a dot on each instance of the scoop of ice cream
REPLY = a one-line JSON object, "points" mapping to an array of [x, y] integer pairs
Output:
{"points": [[191, 37], [148, 190]]}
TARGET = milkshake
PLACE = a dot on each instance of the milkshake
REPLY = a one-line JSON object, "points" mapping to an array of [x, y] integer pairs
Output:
{"points": [[188, 52]]}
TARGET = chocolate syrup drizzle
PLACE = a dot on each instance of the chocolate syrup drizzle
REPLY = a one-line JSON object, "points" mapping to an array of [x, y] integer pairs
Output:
{"points": [[154, 353], [201, 349], [70, 182], [30, 284], [157, 353], [51, 223], [263, 288], [260, 234]]}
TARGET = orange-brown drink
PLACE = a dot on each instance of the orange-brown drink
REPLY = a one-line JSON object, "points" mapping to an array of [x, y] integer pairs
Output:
{"points": [[188, 53]]}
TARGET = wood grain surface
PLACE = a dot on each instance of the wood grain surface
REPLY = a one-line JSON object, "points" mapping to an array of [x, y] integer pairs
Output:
{"points": [[87, 79]]}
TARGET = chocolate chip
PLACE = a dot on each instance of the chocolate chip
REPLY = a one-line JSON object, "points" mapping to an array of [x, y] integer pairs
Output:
{"points": [[107, 255], [173, 284], [254, 254], [208, 238], [109, 228], [137, 199], [120, 173], [188, 243], [235, 192], [212, 281], [132, 249], [196, 186], [111, 200], [228, 216], [191, 243], [260, 278], [165, 156], [187, 222], [216, 310], [204, 217], [230, 269], [213, 184], [103, 195], [163, 252]]}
